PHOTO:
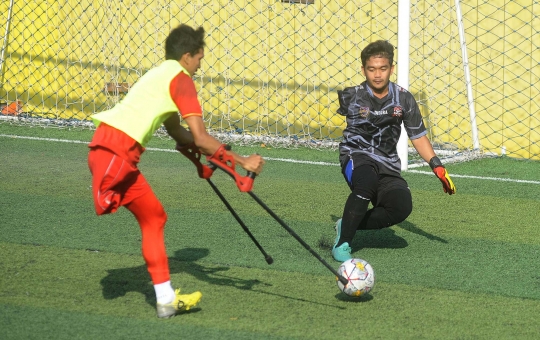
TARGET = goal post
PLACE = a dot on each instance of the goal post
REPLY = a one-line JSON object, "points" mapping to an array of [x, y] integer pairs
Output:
{"points": [[5, 40], [468, 83], [404, 9], [403, 73]]}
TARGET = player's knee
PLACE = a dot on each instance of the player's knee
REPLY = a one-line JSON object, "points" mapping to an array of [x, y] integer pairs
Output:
{"points": [[161, 215], [400, 212], [156, 214], [401, 206], [366, 193]]}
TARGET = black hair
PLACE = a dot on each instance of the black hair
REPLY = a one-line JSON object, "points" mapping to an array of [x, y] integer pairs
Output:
{"points": [[379, 48], [184, 39]]}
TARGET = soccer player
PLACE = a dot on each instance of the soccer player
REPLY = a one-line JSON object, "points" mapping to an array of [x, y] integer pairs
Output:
{"points": [[368, 155], [158, 97]]}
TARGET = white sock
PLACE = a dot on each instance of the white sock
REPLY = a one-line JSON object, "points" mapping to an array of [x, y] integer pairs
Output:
{"points": [[164, 292]]}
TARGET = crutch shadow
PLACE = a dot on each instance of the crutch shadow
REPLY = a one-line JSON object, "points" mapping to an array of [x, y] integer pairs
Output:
{"points": [[120, 281], [215, 275], [212, 275]]}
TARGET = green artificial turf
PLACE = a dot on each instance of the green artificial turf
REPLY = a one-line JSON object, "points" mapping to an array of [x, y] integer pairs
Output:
{"points": [[239, 301], [460, 267]]}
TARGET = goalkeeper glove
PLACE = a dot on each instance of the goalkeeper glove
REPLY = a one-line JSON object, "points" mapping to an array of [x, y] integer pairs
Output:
{"points": [[442, 174]]}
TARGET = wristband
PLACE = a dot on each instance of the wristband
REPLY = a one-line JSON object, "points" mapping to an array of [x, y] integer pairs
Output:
{"points": [[435, 162]]}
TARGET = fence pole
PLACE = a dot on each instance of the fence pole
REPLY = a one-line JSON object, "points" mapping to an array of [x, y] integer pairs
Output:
{"points": [[404, 15], [4, 46], [470, 98]]}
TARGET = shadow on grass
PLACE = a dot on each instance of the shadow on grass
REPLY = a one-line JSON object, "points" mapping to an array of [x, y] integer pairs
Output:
{"points": [[381, 238], [119, 282], [347, 298], [414, 229]]}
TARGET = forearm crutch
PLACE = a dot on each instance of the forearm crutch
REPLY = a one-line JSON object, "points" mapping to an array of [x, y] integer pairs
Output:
{"points": [[245, 184], [205, 171]]}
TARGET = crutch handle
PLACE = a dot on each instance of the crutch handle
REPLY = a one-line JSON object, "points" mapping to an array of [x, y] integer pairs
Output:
{"points": [[226, 163]]}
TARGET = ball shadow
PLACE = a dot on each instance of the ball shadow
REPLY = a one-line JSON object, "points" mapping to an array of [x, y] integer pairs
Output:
{"points": [[347, 298]]}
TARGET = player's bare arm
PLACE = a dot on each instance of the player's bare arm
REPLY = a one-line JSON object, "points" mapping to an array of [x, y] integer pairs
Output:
{"points": [[209, 145], [424, 148], [177, 132]]}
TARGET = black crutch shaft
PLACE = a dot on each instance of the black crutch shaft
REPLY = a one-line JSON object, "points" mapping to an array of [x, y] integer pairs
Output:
{"points": [[298, 238], [267, 257]]}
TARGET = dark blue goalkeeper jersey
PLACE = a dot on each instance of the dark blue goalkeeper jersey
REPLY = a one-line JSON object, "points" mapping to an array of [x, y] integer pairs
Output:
{"points": [[374, 126]]}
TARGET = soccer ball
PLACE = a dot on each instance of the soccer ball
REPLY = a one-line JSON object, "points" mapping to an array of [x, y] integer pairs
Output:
{"points": [[360, 275]]}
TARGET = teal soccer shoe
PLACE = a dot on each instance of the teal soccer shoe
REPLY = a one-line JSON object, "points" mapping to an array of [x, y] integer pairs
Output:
{"points": [[343, 252]]}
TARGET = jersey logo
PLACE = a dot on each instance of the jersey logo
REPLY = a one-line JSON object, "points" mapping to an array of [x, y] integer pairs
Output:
{"points": [[363, 112], [398, 111]]}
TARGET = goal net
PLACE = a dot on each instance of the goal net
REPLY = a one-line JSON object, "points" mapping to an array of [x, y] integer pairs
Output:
{"points": [[272, 68]]}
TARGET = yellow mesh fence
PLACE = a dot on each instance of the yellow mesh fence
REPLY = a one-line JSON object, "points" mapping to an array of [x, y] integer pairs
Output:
{"points": [[272, 68]]}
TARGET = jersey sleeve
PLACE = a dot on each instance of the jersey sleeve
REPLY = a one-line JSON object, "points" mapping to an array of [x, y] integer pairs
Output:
{"points": [[344, 98], [412, 119], [184, 95]]}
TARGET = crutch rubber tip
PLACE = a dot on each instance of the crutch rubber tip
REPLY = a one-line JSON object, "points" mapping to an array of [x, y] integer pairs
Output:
{"points": [[343, 280], [269, 259]]}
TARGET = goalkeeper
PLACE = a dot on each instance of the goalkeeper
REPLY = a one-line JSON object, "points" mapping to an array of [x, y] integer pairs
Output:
{"points": [[368, 156], [120, 139]]}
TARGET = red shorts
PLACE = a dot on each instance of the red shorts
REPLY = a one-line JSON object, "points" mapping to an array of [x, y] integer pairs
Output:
{"points": [[116, 180]]}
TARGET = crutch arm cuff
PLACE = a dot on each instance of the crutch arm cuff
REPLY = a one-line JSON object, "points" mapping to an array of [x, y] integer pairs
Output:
{"points": [[192, 152], [226, 162]]}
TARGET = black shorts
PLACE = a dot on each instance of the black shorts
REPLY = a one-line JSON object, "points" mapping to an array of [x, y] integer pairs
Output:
{"points": [[387, 184], [374, 190]]}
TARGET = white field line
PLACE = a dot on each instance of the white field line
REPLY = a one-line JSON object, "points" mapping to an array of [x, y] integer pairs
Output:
{"points": [[287, 160], [479, 177]]}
